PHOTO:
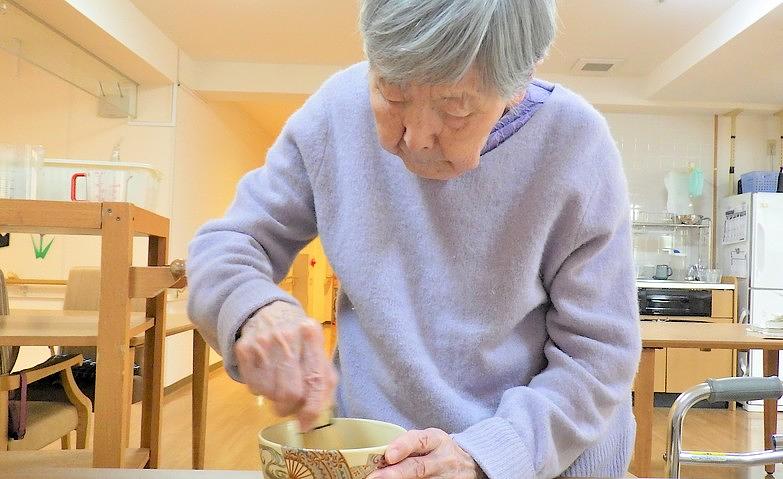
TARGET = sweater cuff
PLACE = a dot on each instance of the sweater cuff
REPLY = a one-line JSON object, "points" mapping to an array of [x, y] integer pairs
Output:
{"points": [[497, 449], [242, 303]]}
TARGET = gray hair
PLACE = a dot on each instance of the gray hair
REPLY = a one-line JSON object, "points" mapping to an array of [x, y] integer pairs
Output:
{"points": [[437, 41]]}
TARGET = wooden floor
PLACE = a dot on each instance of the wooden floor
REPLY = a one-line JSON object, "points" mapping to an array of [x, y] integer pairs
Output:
{"points": [[235, 417], [714, 430]]}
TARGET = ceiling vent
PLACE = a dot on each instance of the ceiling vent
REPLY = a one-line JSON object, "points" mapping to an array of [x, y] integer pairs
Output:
{"points": [[596, 66]]}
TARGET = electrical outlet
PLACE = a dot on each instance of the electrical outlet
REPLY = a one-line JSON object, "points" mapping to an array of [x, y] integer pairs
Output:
{"points": [[772, 146]]}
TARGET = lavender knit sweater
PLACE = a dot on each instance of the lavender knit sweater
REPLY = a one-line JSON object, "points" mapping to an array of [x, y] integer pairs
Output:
{"points": [[498, 306]]}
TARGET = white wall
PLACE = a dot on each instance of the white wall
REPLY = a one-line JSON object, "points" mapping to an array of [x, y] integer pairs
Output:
{"points": [[201, 159], [653, 144], [38, 108], [216, 143]]}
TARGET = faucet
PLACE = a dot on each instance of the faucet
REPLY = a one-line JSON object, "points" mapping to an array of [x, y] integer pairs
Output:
{"points": [[693, 273]]}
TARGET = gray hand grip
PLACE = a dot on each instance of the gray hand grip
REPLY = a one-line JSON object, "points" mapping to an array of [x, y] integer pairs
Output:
{"points": [[744, 389]]}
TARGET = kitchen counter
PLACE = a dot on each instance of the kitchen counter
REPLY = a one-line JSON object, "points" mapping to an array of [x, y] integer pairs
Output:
{"points": [[657, 283]]}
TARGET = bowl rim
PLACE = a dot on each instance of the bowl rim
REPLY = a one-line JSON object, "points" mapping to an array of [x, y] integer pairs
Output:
{"points": [[689, 219], [359, 450]]}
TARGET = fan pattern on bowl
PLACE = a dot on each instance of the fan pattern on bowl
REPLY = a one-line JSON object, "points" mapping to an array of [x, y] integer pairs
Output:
{"points": [[314, 464]]}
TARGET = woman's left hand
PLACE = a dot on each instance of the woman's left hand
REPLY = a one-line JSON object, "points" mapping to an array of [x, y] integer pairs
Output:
{"points": [[427, 454]]}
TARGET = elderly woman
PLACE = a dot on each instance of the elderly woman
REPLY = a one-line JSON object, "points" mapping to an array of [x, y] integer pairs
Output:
{"points": [[477, 219]]}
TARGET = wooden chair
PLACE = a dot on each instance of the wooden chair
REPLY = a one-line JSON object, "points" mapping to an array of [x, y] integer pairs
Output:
{"points": [[82, 293], [47, 421], [8, 354]]}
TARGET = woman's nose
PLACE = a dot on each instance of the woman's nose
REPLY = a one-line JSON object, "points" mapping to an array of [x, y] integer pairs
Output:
{"points": [[418, 140], [421, 131]]}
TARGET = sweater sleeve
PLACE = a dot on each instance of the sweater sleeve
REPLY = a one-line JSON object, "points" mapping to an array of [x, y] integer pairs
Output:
{"points": [[235, 262], [592, 350]]}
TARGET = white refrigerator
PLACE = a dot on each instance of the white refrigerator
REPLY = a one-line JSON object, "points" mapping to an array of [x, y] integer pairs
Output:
{"points": [[750, 237]]}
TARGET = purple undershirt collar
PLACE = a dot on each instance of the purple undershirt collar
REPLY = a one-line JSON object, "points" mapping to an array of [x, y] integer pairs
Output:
{"points": [[511, 122]]}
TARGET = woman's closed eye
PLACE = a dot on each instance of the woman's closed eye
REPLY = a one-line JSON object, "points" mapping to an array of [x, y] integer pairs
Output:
{"points": [[458, 114], [456, 120], [455, 108], [392, 99], [390, 95]]}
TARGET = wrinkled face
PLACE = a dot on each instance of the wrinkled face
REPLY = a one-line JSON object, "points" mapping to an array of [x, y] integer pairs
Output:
{"points": [[437, 130]]}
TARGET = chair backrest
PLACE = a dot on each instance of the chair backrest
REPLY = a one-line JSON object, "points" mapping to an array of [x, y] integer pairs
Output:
{"points": [[8, 354], [83, 289], [83, 292]]}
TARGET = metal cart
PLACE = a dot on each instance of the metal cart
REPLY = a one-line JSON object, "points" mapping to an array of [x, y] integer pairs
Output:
{"points": [[717, 390]]}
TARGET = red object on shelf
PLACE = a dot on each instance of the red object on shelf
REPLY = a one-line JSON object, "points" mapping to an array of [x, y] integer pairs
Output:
{"points": [[73, 185]]}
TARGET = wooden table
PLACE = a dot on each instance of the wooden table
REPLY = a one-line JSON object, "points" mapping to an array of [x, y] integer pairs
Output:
{"points": [[34, 327], [180, 323], [130, 474], [661, 334], [80, 328]]}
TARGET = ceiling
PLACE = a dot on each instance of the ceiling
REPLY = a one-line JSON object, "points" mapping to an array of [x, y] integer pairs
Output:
{"points": [[278, 31], [261, 31], [642, 33], [749, 68]]}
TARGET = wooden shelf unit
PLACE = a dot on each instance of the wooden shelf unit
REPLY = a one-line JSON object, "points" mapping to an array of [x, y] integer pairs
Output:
{"points": [[677, 369], [116, 224]]}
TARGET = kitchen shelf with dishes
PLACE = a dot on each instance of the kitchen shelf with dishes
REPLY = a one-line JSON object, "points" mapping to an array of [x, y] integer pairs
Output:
{"points": [[111, 329], [678, 244]]}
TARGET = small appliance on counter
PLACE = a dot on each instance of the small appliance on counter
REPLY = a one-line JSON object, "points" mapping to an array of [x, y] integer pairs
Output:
{"points": [[675, 302]]}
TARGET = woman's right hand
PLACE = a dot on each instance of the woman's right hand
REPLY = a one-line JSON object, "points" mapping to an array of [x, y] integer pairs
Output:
{"points": [[280, 355]]}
